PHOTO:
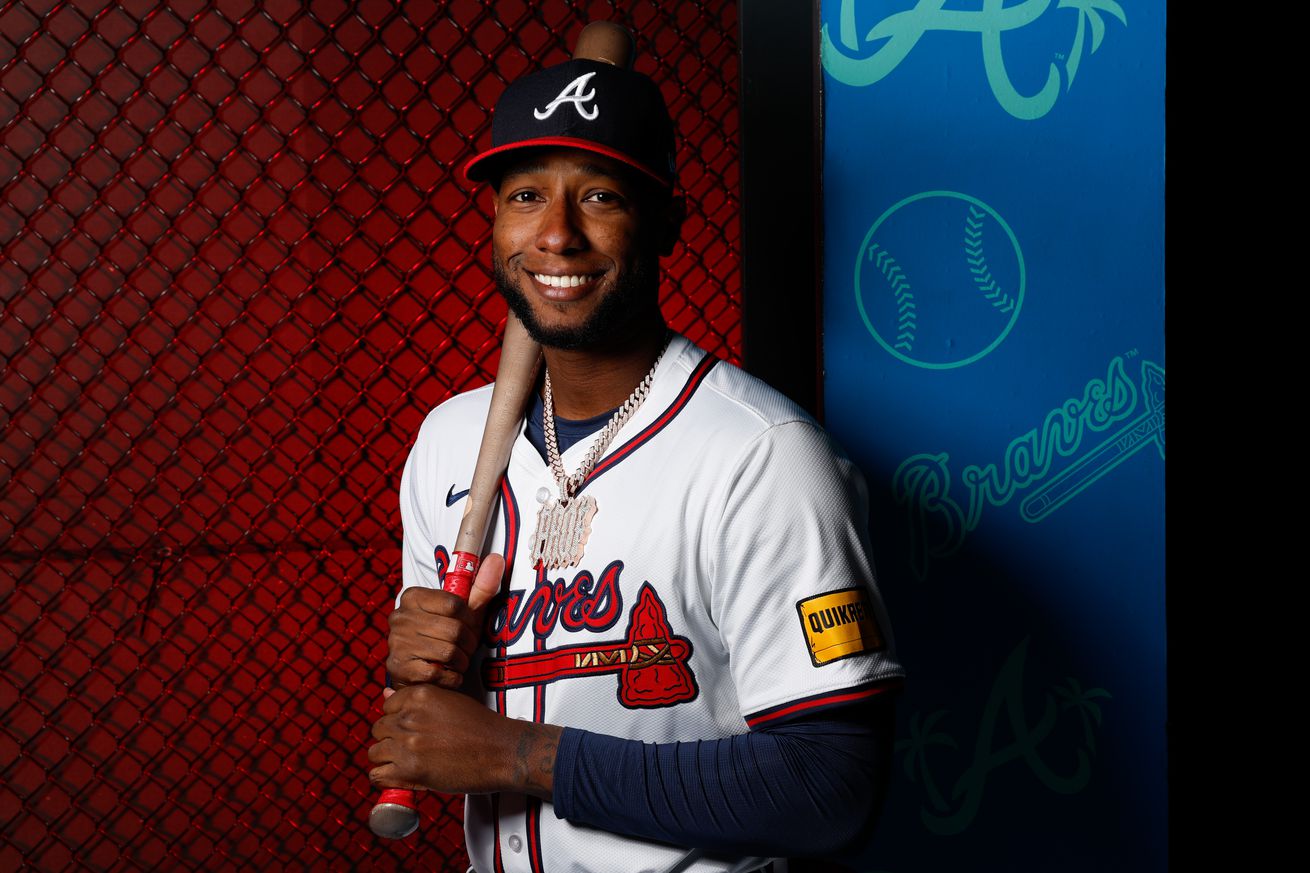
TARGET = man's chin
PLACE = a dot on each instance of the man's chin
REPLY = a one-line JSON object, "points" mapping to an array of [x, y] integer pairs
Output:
{"points": [[553, 336], [609, 324], [567, 338]]}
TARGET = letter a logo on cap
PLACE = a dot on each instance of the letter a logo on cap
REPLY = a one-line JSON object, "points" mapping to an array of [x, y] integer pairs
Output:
{"points": [[572, 93]]}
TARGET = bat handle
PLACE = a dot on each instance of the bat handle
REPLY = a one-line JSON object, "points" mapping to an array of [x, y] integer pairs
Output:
{"points": [[395, 815], [459, 578]]}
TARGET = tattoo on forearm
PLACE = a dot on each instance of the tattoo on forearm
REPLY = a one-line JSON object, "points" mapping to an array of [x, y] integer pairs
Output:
{"points": [[534, 764]]}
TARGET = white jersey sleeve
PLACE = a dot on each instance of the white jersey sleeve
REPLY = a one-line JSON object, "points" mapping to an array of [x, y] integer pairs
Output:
{"points": [[418, 564], [795, 599]]}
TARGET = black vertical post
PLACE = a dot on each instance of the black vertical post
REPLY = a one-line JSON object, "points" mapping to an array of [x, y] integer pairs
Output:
{"points": [[781, 216]]}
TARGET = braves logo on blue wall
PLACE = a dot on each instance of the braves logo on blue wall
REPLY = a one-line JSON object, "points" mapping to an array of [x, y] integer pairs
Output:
{"points": [[860, 57]]}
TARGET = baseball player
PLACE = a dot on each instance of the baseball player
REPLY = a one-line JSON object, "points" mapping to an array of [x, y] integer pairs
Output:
{"points": [[682, 661]]}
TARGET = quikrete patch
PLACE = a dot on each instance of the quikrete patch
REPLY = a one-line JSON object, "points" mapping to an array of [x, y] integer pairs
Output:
{"points": [[839, 624]]}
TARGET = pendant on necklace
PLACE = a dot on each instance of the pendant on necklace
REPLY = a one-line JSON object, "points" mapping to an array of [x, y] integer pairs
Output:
{"points": [[562, 532]]}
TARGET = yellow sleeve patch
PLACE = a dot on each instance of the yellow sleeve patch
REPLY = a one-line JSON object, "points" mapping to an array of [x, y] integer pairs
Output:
{"points": [[839, 624]]}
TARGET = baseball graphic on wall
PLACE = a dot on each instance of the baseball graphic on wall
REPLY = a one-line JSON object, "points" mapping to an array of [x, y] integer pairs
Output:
{"points": [[939, 280]]}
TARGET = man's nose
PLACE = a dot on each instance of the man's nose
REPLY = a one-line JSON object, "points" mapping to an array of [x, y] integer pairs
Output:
{"points": [[559, 231]]}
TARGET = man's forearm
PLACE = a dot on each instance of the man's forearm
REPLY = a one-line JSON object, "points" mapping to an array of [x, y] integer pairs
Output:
{"points": [[533, 761]]}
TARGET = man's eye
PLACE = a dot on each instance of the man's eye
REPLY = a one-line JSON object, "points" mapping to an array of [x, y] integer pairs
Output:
{"points": [[604, 197], [523, 196]]}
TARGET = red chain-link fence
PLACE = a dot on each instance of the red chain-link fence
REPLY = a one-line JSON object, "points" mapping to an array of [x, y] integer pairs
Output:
{"points": [[237, 267]]}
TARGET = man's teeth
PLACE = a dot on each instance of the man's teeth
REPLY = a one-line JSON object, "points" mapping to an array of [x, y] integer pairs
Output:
{"points": [[561, 281]]}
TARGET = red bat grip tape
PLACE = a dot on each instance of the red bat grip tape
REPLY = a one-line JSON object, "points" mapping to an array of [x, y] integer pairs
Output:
{"points": [[459, 578], [396, 813]]}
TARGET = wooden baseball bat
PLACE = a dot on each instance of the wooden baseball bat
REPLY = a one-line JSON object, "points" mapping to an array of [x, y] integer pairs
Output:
{"points": [[396, 813]]}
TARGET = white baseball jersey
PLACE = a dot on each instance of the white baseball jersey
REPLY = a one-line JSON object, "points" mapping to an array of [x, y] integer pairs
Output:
{"points": [[726, 583]]}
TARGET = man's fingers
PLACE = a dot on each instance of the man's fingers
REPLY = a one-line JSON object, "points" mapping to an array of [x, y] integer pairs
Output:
{"points": [[486, 584], [413, 670], [431, 600], [378, 775], [433, 634], [422, 696], [428, 663], [422, 646], [387, 776], [450, 680], [409, 627]]}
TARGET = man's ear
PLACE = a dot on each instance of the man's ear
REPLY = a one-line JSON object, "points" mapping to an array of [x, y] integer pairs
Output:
{"points": [[674, 215]]}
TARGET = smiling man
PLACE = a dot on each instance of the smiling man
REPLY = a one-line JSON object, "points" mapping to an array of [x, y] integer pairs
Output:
{"points": [[570, 234], [682, 662]]}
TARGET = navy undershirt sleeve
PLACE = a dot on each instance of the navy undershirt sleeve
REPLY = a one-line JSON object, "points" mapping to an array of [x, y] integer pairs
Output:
{"points": [[804, 787]]}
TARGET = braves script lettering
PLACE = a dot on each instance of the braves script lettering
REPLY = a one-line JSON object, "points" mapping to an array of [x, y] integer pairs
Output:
{"points": [[583, 604], [923, 482], [573, 94], [903, 30]]}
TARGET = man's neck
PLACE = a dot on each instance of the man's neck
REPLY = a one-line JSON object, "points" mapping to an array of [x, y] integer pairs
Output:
{"points": [[588, 382]]}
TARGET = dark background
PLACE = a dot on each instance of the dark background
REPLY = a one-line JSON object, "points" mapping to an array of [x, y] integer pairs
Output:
{"points": [[238, 265]]}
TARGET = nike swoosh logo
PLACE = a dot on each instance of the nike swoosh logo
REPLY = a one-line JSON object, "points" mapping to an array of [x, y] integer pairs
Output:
{"points": [[452, 497]]}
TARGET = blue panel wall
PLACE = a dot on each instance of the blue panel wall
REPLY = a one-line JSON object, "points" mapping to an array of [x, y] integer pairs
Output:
{"points": [[994, 353]]}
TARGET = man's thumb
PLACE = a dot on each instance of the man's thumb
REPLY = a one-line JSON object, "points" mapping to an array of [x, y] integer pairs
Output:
{"points": [[487, 583]]}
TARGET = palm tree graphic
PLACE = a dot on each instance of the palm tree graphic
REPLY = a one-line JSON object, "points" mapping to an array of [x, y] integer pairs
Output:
{"points": [[1076, 698], [1089, 13], [916, 758]]}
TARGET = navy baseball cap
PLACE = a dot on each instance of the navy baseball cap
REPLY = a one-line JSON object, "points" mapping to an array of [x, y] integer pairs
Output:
{"points": [[582, 104]]}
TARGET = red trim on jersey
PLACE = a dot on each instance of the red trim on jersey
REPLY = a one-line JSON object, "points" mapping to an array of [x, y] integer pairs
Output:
{"points": [[534, 803], [822, 701], [511, 510], [698, 374], [534, 835], [539, 690], [511, 507], [497, 862]]}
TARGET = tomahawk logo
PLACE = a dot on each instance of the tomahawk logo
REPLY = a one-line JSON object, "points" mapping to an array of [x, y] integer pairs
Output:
{"points": [[572, 93], [651, 661]]}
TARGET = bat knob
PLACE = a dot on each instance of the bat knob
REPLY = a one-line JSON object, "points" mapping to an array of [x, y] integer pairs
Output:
{"points": [[606, 41], [393, 821]]}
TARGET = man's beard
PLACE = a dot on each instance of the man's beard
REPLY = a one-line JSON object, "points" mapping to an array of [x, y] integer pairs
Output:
{"points": [[635, 297]]}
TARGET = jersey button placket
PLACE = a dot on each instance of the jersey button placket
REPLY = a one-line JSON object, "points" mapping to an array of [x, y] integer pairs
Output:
{"points": [[515, 843]]}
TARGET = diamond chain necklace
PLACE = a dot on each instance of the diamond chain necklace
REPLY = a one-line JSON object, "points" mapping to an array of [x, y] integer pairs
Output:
{"points": [[564, 524]]}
